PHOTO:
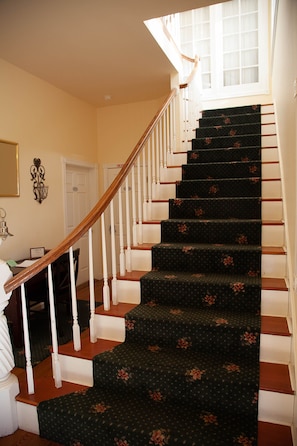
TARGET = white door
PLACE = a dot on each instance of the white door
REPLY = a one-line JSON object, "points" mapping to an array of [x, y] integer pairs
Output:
{"points": [[78, 199]]}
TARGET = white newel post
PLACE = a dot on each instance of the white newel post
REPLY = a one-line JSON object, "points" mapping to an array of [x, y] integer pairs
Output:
{"points": [[9, 385]]}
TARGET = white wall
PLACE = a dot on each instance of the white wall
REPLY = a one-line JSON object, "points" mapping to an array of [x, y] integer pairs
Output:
{"points": [[47, 124]]}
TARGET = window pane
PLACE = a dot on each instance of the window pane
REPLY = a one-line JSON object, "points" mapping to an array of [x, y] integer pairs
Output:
{"points": [[249, 5], [201, 31], [186, 34], [231, 43], [205, 64], [202, 48], [201, 14], [231, 78], [249, 58], [250, 75], [231, 60], [249, 40], [249, 22], [230, 8], [231, 25]]}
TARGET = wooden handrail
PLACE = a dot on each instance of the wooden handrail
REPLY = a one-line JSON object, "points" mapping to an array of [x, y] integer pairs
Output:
{"points": [[94, 214], [193, 72]]}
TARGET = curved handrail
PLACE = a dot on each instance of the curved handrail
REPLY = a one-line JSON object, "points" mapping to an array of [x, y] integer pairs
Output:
{"points": [[94, 214], [193, 72]]}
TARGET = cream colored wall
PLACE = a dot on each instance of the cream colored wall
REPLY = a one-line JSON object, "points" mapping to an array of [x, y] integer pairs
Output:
{"points": [[47, 124], [284, 73], [120, 128]]}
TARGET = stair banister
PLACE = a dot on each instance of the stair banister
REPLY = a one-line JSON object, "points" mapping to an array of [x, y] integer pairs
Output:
{"points": [[93, 215], [153, 137]]}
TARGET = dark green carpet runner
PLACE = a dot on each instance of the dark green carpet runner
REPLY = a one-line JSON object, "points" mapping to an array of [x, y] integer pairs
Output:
{"points": [[188, 372]]}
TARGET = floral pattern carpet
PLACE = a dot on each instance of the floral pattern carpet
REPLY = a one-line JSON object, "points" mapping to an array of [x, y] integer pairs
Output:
{"points": [[188, 371]]}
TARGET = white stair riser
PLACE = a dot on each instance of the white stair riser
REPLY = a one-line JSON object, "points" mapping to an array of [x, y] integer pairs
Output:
{"points": [[27, 417], [268, 129], [272, 235], [273, 302], [275, 348], [272, 265], [270, 189], [271, 210], [276, 407], [269, 141], [76, 370]]}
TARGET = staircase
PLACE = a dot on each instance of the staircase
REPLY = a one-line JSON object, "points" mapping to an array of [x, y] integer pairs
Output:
{"points": [[276, 396]]}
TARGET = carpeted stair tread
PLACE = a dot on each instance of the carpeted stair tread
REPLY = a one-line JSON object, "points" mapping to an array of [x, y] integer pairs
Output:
{"points": [[230, 111], [206, 329], [229, 119], [104, 417], [244, 169], [228, 231], [228, 130], [219, 187], [224, 154], [202, 258], [226, 141], [183, 377], [201, 290], [239, 207]]}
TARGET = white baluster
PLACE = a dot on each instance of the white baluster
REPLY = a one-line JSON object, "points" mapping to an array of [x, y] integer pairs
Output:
{"points": [[121, 229], [157, 188], [164, 141], [134, 222], [106, 292], [139, 226], [75, 326], [113, 257], [128, 229], [149, 179], [29, 370], [55, 355], [93, 337], [144, 185], [153, 152]]}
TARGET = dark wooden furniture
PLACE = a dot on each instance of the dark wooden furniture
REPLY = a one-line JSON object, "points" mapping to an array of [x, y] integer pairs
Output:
{"points": [[37, 292]]}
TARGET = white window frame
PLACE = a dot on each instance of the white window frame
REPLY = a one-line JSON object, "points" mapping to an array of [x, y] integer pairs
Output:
{"points": [[217, 89]]}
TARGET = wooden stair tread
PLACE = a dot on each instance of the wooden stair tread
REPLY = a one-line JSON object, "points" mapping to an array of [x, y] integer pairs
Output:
{"points": [[43, 384], [275, 325], [271, 283], [133, 275], [88, 349], [270, 434], [275, 378], [276, 250], [116, 310]]}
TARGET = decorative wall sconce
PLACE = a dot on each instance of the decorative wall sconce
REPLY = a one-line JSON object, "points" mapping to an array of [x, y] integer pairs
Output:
{"points": [[4, 233], [37, 173]]}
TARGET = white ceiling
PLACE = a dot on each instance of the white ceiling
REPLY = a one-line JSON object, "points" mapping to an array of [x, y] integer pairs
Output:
{"points": [[90, 48]]}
